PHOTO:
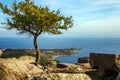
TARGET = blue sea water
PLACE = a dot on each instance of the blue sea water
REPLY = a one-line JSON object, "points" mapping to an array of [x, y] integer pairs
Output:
{"points": [[88, 45]]}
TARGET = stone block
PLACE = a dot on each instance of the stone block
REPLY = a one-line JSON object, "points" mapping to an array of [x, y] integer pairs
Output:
{"points": [[105, 62]]}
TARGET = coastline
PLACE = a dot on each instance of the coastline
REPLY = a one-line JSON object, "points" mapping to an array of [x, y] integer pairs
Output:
{"points": [[51, 54]]}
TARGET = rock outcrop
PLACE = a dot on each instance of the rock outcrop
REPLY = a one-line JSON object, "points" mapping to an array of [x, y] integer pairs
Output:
{"points": [[18, 69], [62, 76], [105, 63], [5, 73], [83, 60], [52, 64], [23, 69]]}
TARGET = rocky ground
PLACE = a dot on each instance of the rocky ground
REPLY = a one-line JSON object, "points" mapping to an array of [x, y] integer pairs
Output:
{"points": [[21, 66], [18, 68]]}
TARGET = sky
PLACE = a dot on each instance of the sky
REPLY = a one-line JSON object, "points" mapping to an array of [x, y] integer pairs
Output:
{"points": [[92, 18]]}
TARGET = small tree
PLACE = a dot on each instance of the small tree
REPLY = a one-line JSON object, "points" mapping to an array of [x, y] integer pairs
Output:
{"points": [[28, 18]]}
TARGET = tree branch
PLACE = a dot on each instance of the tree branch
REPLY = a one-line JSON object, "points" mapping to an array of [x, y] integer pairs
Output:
{"points": [[39, 31], [29, 31]]}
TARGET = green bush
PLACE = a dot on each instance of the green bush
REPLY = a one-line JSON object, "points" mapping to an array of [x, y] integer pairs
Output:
{"points": [[43, 60], [15, 53]]}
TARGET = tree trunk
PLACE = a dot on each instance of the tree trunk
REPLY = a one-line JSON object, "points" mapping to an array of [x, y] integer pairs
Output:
{"points": [[37, 60]]}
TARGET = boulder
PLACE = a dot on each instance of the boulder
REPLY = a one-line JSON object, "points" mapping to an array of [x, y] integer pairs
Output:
{"points": [[52, 64], [105, 63], [18, 69], [83, 60]]}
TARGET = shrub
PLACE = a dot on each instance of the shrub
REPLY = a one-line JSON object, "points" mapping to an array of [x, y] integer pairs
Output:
{"points": [[43, 60]]}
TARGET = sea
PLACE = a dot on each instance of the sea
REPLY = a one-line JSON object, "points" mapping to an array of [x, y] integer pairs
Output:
{"points": [[105, 45]]}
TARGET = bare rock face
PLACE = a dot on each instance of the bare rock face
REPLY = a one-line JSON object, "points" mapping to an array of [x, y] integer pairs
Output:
{"points": [[63, 76], [5, 73], [105, 63], [71, 72], [18, 69]]}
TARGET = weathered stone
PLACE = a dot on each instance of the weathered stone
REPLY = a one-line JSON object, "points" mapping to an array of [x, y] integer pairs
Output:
{"points": [[83, 60], [5, 73], [52, 64], [1, 52], [73, 69], [18, 69], [105, 62], [63, 76]]}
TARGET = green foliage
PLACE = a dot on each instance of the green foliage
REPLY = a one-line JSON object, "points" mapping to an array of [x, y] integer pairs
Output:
{"points": [[1, 71], [9, 53], [27, 17], [43, 60]]}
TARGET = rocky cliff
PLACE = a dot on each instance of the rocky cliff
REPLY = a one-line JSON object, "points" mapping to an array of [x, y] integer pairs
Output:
{"points": [[24, 69], [18, 69], [62, 76]]}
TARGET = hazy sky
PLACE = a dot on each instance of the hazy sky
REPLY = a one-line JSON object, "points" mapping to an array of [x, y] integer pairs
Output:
{"points": [[91, 17]]}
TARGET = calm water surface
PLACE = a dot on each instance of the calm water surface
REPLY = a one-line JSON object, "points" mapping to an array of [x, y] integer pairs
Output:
{"points": [[88, 45]]}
